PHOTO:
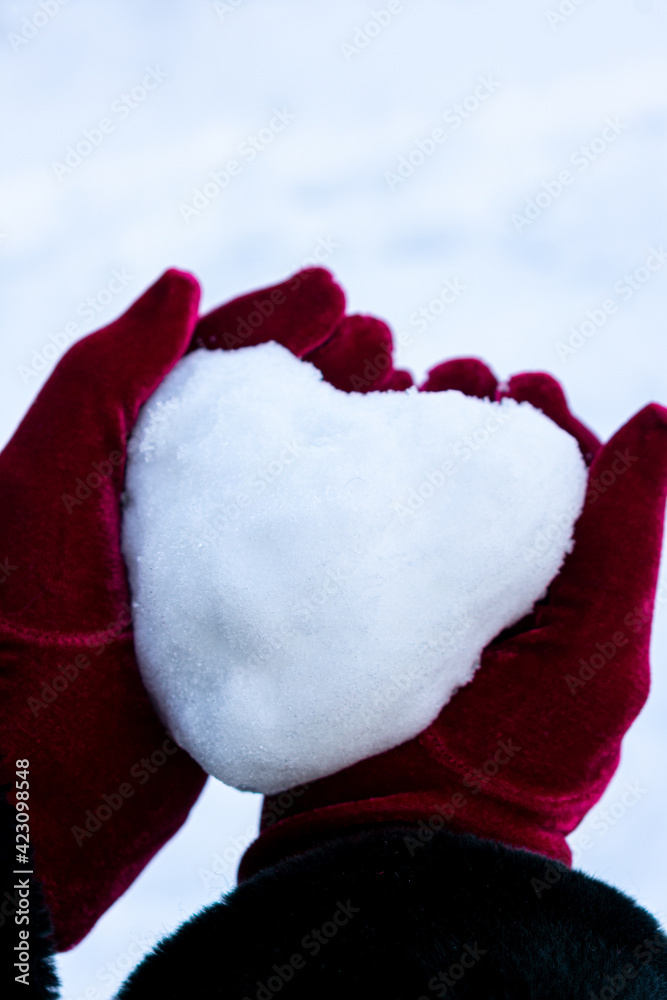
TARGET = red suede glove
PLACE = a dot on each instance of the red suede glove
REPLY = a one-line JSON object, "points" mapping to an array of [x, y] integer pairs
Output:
{"points": [[521, 753], [107, 786]]}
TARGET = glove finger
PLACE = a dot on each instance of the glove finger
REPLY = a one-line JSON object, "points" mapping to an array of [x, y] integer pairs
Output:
{"points": [[614, 564], [544, 393], [126, 361], [468, 375], [358, 358], [300, 313], [61, 474]]}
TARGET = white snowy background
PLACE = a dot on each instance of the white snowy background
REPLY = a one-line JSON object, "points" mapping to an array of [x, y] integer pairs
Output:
{"points": [[224, 70]]}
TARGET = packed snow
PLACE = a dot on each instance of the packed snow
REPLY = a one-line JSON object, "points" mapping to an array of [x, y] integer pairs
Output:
{"points": [[314, 573]]}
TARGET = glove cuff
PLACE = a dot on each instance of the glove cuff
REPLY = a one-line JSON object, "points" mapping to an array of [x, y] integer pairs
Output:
{"points": [[455, 809]]}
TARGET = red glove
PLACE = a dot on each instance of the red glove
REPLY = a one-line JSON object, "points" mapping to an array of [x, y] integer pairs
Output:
{"points": [[107, 786], [521, 753]]}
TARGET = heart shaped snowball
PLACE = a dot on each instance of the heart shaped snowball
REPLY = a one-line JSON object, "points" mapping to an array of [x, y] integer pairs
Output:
{"points": [[314, 573]]}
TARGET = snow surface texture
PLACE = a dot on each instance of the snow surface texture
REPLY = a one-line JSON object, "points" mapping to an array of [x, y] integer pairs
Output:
{"points": [[315, 573]]}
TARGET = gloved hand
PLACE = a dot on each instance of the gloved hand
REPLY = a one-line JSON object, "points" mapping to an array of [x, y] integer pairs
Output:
{"points": [[107, 785], [522, 752]]}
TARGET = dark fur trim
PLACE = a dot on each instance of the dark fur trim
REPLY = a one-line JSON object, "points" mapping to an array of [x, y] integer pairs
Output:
{"points": [[43, 981], [380, 914]]}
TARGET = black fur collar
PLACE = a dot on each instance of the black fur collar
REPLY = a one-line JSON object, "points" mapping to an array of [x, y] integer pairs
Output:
{"points": [[381, 915]]}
